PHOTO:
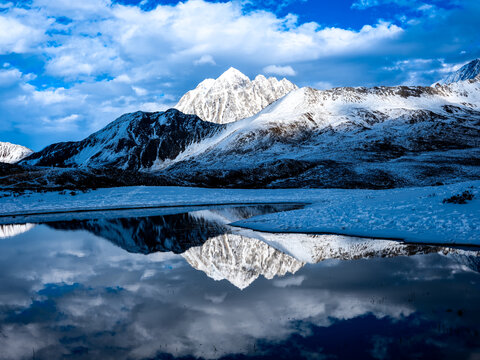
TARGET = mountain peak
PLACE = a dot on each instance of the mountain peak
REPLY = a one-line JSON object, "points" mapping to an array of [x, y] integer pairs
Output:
{"points": [[233, 96], [466, 72], [12, 153], [233, 75]]}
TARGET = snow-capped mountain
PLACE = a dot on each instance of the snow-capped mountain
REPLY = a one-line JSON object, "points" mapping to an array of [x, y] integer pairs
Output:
{"points": [[466, 72], [348, 137], [11, 153], [377, 137], [133, 141], [233, 96]]}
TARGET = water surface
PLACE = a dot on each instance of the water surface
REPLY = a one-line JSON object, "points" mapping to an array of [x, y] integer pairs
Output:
{"points": [[175, 284]]}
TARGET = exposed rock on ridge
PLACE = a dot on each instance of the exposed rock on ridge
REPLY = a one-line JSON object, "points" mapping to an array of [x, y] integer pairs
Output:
{"points": [[233, 96]]}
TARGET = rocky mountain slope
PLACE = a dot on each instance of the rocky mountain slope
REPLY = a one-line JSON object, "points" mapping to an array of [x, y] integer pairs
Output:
{"points": [[466, 72], [233, 96], [11, 153], [134, 141]]}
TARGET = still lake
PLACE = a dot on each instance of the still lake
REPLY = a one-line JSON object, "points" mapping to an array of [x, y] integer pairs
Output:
{"points": [[182, 283]]}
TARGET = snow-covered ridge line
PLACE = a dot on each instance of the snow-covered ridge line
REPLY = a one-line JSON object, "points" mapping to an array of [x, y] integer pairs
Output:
{"points": [[365, 109], [12, 153], [414, 214], [466, 72]]}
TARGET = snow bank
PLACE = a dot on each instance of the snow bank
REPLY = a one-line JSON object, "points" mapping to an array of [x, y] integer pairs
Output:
{"points": [[411, 214], [414, 215]]}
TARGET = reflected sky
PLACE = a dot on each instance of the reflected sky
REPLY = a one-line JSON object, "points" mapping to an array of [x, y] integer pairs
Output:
{"points": [[68, 291]]}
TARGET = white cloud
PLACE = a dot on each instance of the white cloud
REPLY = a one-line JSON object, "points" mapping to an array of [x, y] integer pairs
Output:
{"points": [[16, 36], [9, 77], [50, 96], [83, 56], [365, 4], [279, 70], [125, 39], [139, 91], [205, 60]]}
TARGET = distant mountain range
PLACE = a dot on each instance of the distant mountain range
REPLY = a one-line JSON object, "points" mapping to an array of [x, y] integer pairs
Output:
{"points": [[360, 137]]}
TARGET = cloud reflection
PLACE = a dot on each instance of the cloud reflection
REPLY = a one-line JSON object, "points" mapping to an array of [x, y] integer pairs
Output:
{"points": [[72, 294]]}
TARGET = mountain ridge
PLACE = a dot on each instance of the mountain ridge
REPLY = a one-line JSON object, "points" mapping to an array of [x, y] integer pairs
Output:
{"points": [[377, 137], [469, 71], [131, 142]]}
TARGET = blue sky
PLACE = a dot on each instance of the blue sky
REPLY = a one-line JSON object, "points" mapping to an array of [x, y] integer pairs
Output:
{"points": [[68, 68]]}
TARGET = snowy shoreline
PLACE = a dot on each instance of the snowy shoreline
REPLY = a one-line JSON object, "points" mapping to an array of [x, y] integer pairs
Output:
{"points": [[416, 215]]}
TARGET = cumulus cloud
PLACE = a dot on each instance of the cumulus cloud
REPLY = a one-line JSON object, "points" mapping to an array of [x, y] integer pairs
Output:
{"points": [[109, 58], [279, 70], [16, 36]]}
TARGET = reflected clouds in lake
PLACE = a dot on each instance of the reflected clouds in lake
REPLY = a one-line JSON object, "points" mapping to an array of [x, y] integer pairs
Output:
{"points": [[68, 289]]}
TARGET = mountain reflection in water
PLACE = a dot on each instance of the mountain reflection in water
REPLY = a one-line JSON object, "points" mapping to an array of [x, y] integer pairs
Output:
{"points": [[67, 293], [173, 232]]}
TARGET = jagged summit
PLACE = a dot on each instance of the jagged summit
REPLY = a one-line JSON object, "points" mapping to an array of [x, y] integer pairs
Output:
{"points": [[12, 153], [466, 72], [233, 96], [233, 75]]}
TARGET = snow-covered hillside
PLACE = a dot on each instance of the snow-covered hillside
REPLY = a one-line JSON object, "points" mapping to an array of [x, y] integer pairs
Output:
{"points": [[383, 136], [466, 72], [11, 153], [233, 96], [414, 214]]}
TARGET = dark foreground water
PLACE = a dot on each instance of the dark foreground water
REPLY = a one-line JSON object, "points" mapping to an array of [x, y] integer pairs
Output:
{"points": [[162, 285]]}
